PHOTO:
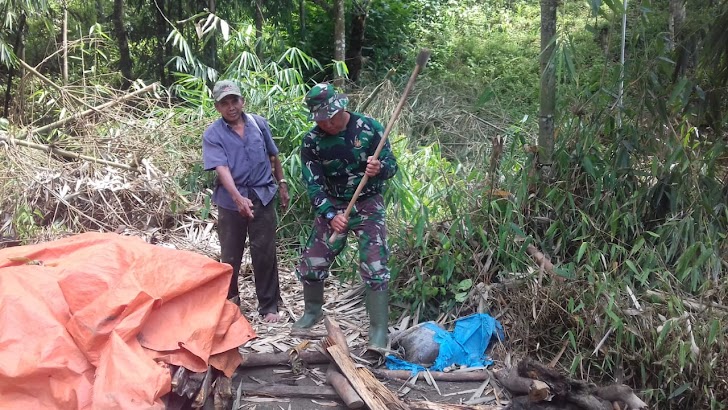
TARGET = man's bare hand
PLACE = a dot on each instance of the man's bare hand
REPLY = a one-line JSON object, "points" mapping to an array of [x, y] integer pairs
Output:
{"points": [[245, 206], [284, 197], [339, 223], [373, 167]]}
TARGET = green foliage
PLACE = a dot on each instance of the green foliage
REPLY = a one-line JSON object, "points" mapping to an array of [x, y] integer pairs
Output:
{"points": [[26, 222]]}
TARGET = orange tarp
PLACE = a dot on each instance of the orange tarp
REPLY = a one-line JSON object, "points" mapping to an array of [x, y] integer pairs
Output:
{"points": [[89, 321]]}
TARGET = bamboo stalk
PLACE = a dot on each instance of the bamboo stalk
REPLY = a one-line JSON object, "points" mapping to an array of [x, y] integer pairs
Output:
{"points": [[47, 81], [93, 110], [375, 91], [67, 154]]}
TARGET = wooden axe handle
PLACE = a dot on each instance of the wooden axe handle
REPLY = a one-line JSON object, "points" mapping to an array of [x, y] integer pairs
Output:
{"points": [[422, 58]]}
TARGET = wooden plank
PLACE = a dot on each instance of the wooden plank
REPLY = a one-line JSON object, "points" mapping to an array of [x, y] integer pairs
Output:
{"points": [[371, 390]]}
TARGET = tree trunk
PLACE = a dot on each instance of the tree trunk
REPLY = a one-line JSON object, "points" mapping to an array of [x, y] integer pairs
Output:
{"points": [[259, 20], [677, 39], [17, 47], [548, 85], [211, 46], [64, 73], [339, 37], [677, 18], [356, 38], [161, 56], [100, 15], [302, 18], [125, 63]]}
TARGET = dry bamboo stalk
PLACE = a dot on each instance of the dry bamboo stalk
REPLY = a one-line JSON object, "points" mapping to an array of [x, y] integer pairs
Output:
{"points": [[47, 81], [67, 154], [93, 110]]}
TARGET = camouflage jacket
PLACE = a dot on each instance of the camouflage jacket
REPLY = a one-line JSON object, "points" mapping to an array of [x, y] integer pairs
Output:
{"points": [[333, 165]]}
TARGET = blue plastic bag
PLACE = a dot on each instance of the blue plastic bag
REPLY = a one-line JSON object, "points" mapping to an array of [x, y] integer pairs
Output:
{"points": [[464, 346]]}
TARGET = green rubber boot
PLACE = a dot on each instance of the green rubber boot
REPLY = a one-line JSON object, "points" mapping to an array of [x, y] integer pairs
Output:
{"points": [[378, 305], [313, 298]]}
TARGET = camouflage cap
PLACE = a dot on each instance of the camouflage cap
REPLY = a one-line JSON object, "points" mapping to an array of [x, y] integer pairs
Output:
{"points": [[224, 88], [323, 102]]}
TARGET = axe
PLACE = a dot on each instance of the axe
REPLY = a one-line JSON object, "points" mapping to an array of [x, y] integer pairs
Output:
{"points": [[422, 58]]}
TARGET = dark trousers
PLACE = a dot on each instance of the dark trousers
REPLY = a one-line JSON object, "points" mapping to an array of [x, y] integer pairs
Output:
{"points": [[232, 229]]}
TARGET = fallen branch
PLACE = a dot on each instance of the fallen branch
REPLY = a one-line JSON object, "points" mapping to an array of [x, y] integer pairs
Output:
{"points": [[439, 376], [67, 154]]}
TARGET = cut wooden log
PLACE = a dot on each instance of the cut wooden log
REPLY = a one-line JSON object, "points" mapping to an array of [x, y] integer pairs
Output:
{"points": [[478, 376], [373, 392], [336, 335], [282, 359], [531, 369], [620, 392], [514, 383], [285, 390], [537, 380], [539, 391], [340, 383], [223, 393], [179, 379], [343, 388], [205, 389]]}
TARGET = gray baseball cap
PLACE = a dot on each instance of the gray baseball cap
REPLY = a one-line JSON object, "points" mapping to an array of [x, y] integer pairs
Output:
{"points": [[224, 88]]}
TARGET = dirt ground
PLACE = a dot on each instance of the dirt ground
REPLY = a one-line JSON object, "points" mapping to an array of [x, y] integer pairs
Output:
{"points": [[345, 305], [452, 392]]}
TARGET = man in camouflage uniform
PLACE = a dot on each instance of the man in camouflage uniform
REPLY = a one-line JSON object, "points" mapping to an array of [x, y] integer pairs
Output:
{"points": [[335, 156]]}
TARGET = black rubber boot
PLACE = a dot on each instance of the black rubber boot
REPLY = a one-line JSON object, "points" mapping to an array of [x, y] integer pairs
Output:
{"points": [[378, 305], [313, 298]]}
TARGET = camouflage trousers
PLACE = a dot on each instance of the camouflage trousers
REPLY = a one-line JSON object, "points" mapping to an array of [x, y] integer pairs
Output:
{"points": [[367, 223]]}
